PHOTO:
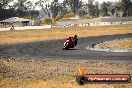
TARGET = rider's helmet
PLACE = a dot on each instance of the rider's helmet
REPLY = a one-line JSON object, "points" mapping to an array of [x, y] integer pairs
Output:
{"points": [[70, 37], [75, 36]]}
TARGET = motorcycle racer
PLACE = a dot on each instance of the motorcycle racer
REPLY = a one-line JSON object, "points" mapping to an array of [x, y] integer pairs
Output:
{"points": [[70, 42]]}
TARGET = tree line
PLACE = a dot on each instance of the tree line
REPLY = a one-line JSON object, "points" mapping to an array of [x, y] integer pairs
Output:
{"points": [[25, 8]]}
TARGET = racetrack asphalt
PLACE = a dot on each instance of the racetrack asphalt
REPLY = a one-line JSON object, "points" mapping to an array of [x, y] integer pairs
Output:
{"points": [[52, 49]]}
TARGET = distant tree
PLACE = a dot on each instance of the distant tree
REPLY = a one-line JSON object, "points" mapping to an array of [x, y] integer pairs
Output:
{"points": [[20, 5], [104, 9], [90, 1], [124, 6], [64, 3], [22, 8], [81, 13], [114, 8], [74, 4], [4, 12], [64, 8], [96, 9], [63, 11], [91, 8], [110, 7], [55, 8], [29, 5], [32, 14], [112, 11], [4, 4], [130, 9], [44, 6]]}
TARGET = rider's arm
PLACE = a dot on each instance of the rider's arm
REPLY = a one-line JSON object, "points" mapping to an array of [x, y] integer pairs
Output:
{"points": [[67, 41]]}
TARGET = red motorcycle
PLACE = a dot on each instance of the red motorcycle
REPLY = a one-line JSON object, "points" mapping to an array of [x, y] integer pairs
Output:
{"points": [[70, 42]]}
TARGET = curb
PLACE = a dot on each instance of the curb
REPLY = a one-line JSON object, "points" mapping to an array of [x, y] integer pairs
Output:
{"points": [[109, 49]]}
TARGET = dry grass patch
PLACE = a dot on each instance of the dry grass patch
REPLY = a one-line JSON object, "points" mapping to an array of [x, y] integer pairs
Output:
{"points": [[122, 43], [126, 43], [8, 37]]}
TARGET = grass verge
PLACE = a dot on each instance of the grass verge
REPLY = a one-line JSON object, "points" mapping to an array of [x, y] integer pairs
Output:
{"points": [[9, 37]]}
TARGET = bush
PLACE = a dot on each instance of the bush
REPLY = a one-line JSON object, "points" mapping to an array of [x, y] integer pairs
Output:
{"points": [[81, 13], [68, 15], [88, 17], [57, 18], [47, 21]]}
